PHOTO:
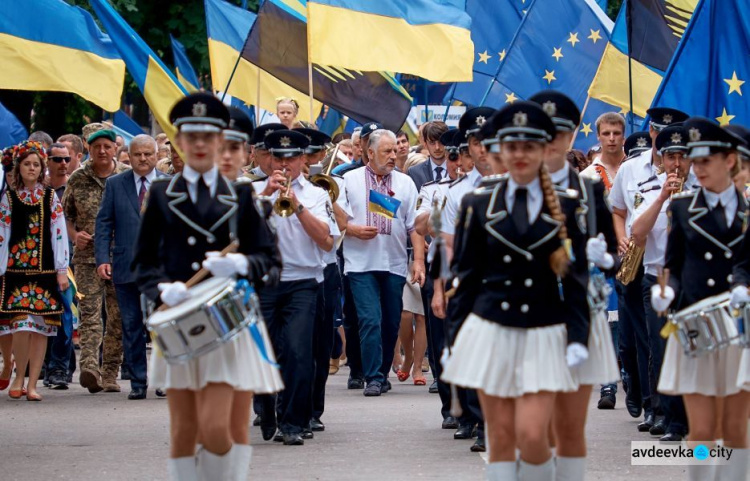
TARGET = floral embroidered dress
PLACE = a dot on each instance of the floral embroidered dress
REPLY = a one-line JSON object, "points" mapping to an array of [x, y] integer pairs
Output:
{"points": [[34, 240]]}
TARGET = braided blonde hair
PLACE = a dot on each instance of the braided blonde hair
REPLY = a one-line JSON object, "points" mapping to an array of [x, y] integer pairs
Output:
{"points": [[559, 260]]}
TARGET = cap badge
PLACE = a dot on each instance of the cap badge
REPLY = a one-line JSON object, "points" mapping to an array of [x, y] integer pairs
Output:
{"points": [[373, 127], [199, 109], [267, 133], [695, 135], [481, 120], [667, 119], [309, 137], [285, 141], [231, 124], [550, 108], [676, 138], [520, 119], [641, 142]]}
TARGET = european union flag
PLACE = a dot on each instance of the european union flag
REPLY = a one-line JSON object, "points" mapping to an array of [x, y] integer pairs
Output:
{"points": [[382, 204], [492, 27], [710, 68]]}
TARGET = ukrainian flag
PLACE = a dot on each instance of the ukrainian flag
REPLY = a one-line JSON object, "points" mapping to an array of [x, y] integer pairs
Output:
{"points": [[382, 204], [160, 88], [228, 27], [54, 46], [185, 72], [429, 38]]}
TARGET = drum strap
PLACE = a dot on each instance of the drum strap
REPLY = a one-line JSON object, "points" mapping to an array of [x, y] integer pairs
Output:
{"points": [[233, 227], [244, 285]]}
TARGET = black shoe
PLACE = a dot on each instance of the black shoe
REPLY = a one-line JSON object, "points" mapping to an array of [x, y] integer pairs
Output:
{"points": [[373, 388], [161, 393], [647, 423], [57, 380], [354, 383], [450, 423], [279, 437], [479, 446], [307, 434], [634, 404], [317, 425], [384, 388], [69, 379], [268, 432], [295, 439], [607, 399], [433, 387], [137, 393], [671, 437], [125, 375], [256, 421], [463, 432], [659, 428]]}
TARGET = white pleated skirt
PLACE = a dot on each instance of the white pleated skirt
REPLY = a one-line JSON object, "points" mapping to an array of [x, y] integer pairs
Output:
{"points": [[743, 376], [238, 363], [412, 297], [508, 361], [712, 374], [601, 366]]}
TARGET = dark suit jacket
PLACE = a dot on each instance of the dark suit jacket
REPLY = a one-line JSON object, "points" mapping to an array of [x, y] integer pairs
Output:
{"points": [[117, 225], [422, 173]]}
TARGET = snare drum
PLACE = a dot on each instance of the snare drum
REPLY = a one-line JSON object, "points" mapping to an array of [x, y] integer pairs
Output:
{"points": [[706, 326], [744, 325], [213, 314]]}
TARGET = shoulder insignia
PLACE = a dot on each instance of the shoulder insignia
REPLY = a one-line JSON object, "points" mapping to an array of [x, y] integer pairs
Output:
{"points": [[684, 195], [447, 180], [570, 193], [492, 179], [430, 183], [337, 176], [457, 181], [260, 179], [483, 190]]}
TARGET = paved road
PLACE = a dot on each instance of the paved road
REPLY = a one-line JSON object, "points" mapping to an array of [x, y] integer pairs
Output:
{"points": [[75, 435]]}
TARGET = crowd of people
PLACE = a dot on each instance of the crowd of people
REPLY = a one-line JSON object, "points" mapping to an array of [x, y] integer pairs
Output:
{"points": [[521, 273]]}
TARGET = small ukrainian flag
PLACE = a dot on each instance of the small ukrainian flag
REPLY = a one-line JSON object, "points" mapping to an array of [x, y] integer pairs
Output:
{"points": [[384, 205]]}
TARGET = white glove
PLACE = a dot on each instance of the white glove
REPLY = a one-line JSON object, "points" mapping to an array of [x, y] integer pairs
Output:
{"points": [[172, 293], [661, 304], [445, 358], [740, 296], [225, 266], [576, 354], [596, 252]]}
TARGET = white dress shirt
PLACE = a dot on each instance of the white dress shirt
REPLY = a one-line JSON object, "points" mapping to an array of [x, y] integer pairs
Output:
{"points": [[728, 200], [149, 178], [210, 177], [300, 256], [386, 252], [431, 192], [443, 172], [330, 256], [561, 178], [534, 198], [456, 193], [626, 191]]}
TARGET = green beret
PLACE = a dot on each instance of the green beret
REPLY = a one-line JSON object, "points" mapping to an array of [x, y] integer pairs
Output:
{"points": [[106, 133]]}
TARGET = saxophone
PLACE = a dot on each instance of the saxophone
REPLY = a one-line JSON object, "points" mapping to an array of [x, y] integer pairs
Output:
{"points": [[631, 262]]}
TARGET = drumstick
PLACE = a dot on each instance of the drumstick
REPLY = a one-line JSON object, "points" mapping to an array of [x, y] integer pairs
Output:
{"points": [[201, 274], [663, 279]]}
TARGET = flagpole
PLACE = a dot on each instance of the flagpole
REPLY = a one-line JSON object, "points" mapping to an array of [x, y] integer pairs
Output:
{"points": [[583, 112], [257, 100], [237, 63], [629, 23], [309, 68]]}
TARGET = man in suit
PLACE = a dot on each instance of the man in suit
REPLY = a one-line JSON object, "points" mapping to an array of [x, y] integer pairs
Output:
{"points": [[116, 229], [434, 169]]}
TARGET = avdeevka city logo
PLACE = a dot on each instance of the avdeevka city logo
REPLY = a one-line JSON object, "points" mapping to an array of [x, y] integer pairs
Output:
{"points": [[649, 453], [700, 452]]}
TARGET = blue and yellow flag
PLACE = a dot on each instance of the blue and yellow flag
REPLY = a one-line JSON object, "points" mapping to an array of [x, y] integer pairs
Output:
{"points": [[363, 96], [429, 38], [710, 70], [159, 87], [185, 71], [54, 46], [382, 204], [228, 27]]}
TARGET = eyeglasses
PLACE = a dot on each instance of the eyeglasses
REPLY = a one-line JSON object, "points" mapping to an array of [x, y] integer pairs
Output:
{"points": [[57, 160]]}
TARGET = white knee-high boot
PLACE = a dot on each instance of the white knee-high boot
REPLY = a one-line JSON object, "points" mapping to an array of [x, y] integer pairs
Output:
{"points": [[214, 467], [537, 472], [702, 472], [182, 469], [502, 471], [243, 454], [570, 469], [736, 468]]}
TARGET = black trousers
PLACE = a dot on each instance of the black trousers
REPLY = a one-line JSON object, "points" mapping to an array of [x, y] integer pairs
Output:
{"points": [[435, 344], [287, 311], [328, 296]]}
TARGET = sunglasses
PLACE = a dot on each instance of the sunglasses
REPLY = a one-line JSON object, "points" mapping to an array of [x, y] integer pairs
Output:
{"points": [[57, 160]]}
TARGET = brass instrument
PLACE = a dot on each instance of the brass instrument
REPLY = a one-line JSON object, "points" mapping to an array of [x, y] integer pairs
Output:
{"points": [[283, 205], [326, 181], [680, 183], [631, 262]]}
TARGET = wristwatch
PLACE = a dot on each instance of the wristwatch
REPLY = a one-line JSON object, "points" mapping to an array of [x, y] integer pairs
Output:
{"points": [[300, 208]]}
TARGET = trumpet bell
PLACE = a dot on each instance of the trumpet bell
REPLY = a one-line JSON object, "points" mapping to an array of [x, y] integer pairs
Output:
{"points": [[328, 183], [283, 207]]}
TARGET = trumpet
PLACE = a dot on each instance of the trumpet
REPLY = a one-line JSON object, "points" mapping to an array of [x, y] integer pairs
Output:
{"points": [[326, 181], [283, 205], [631, 262]]}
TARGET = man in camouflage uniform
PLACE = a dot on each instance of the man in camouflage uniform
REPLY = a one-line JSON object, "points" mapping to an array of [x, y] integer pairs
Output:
{"points": [[81, 204]]}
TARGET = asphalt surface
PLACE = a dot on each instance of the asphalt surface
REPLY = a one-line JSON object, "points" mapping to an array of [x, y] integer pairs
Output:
{"points": [[76, 435]]}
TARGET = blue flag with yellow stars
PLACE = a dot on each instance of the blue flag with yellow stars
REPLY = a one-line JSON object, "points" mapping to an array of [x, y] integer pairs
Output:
{"points": [[710, 69], [492, 27]]}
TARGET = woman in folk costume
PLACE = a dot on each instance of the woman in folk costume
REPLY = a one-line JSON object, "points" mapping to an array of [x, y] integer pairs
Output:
{"points": [[705, 234], [526, 320], [34, 253], [187, 219]]}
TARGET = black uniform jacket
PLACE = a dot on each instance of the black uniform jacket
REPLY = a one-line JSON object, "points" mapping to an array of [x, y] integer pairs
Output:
{"points": [[741, 271], [699, 254], [173, 238], [506, 278]]}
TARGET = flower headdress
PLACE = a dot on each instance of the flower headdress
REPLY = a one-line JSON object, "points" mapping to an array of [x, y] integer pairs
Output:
{"points": [[28, 147], [8, 156]]}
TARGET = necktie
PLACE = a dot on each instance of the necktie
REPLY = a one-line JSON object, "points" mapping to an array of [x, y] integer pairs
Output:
{"points": [[719, 217], [142, 192], [438, 174], [203, 199], [520, 213]]}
